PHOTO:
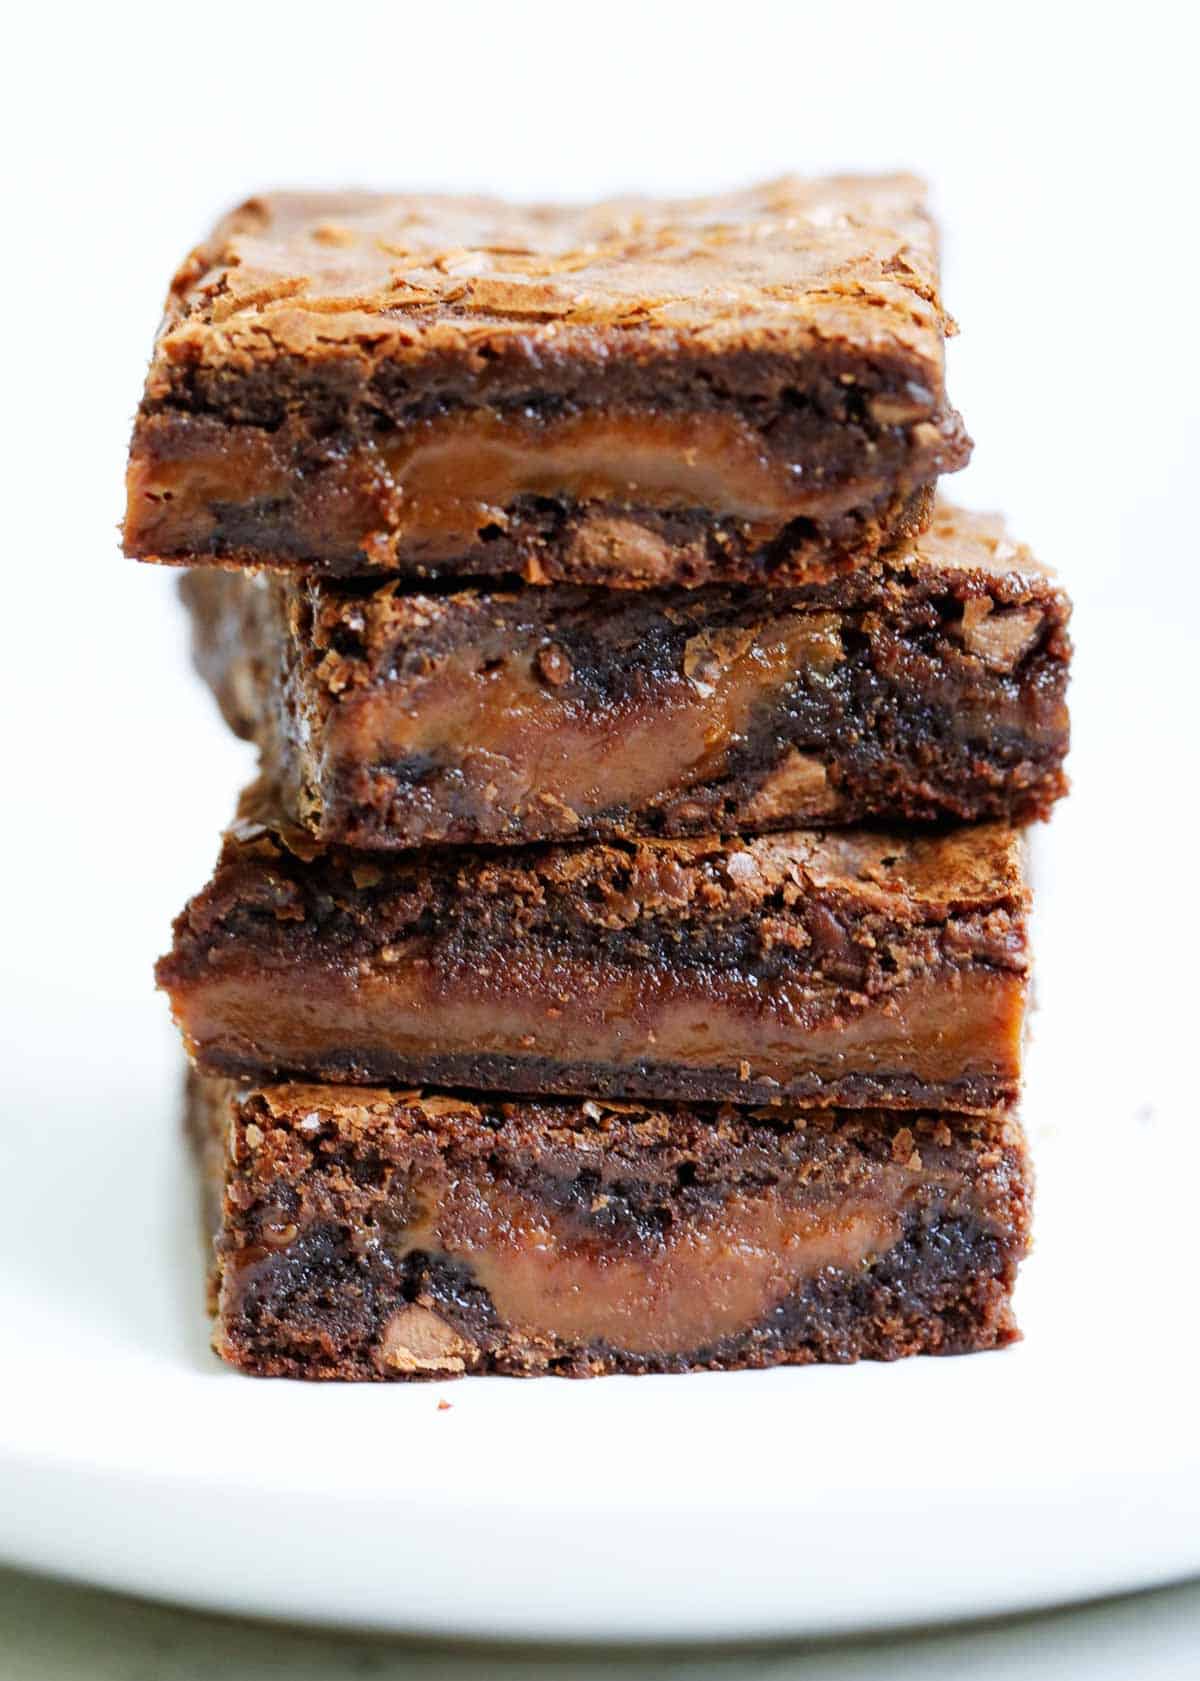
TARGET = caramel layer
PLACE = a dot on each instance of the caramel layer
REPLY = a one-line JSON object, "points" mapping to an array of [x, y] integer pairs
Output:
{"points": [[510, 737], [435, 485], [944, 1028], [459, 472], [711, 1277]]}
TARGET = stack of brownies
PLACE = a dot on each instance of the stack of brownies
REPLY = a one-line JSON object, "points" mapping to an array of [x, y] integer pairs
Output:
{"points": [[621, 962]]}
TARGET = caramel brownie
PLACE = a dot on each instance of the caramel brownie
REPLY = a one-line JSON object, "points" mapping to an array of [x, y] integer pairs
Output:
{"points": [[633, 393], [835, 967], [929, 683], [367, 1234]]}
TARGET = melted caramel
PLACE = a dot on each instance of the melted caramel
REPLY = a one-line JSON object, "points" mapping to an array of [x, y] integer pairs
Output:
{"points": [[511, 740], [941, 1028], [435, 485], [708, 1278], [461, 471]]}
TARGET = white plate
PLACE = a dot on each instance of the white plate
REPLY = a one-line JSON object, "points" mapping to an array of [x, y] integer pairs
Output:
{"points": [[784, 1502], [711, 1506]]}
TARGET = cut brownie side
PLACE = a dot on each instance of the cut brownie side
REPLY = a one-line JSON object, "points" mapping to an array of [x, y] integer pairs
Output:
{"points": [[841, 967], [929, 683], [633, 393], [372, 1234]]}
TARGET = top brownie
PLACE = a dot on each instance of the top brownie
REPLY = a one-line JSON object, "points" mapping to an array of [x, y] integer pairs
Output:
{"points": [[632, 393]]}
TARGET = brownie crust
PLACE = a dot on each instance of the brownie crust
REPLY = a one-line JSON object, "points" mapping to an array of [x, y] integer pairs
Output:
{"points": [[835, 967], [374, 1234], [633, 393], [929, 684]]}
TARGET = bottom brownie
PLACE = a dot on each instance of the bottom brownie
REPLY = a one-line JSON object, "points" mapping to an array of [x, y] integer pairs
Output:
{"points": [[372, 1234]]}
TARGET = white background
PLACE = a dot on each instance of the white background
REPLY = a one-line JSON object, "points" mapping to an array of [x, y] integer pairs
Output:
{"points": [[1061, 145]]}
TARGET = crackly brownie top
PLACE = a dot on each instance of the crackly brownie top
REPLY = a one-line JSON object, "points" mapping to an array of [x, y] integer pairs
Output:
{"points": [[846, 261], [324, 1116], [912, 877], [983, 861], [970, 544]]}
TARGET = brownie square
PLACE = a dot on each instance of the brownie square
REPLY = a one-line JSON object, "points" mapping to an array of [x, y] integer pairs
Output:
{"points": [[927, 684], [374, 1234], [837, 967], [637, 392]]}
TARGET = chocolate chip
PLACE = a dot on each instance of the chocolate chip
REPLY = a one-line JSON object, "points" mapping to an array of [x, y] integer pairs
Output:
{"points": [[553, 666]]}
